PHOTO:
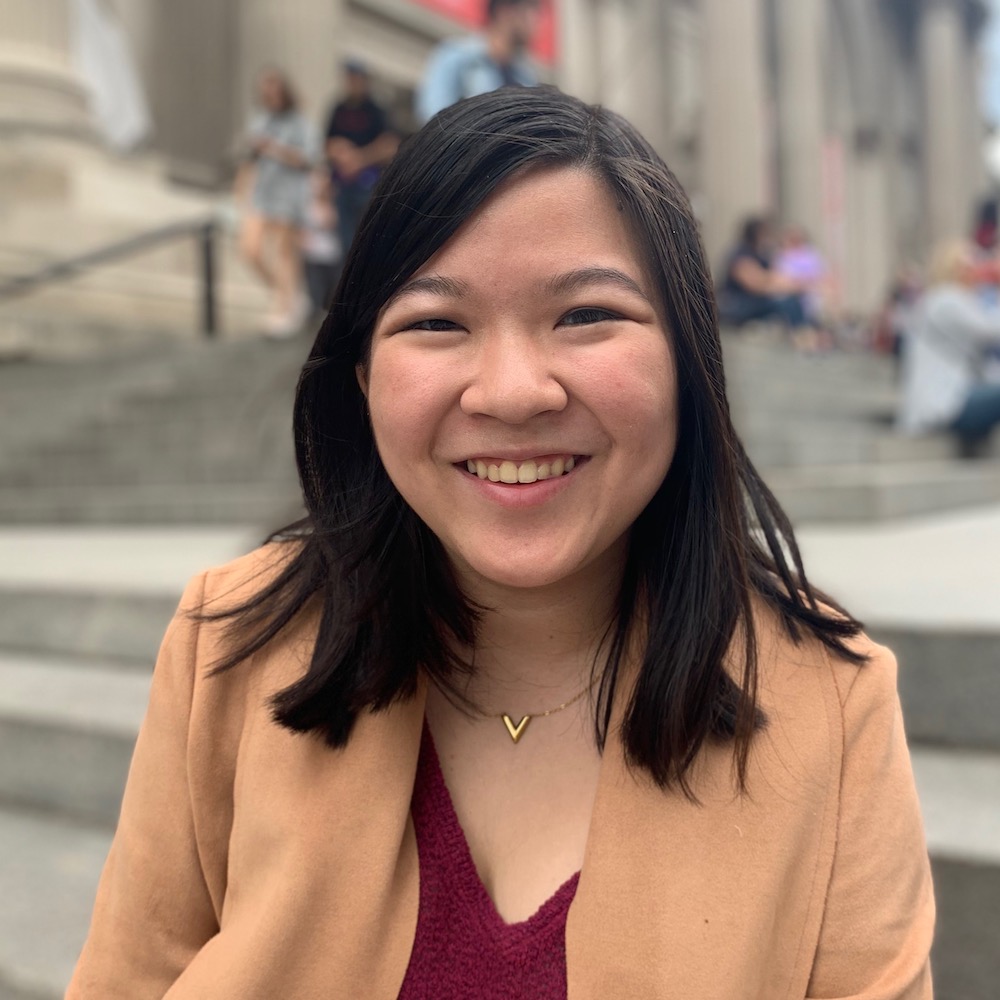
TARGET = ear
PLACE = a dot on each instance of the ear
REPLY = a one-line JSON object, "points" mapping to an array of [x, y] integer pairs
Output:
{"points": [[362, 377]]}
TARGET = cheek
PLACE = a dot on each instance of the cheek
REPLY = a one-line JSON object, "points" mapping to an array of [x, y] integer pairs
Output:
{"points": [[640, 394], [406, 400]]}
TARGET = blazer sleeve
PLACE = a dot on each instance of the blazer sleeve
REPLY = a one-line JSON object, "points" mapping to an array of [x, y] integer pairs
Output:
{"points": [[153, 911], [879, 917]]}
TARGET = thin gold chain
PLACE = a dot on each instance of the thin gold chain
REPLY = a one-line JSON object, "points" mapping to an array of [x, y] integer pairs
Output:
{"points": [[558, 708]]}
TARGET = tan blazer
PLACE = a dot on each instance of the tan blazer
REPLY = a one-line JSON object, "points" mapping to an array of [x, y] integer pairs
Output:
{"points": [[251, 863]]}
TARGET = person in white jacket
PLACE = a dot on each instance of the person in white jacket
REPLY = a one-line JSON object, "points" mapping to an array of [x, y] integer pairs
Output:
{"points": [[946, 356]]}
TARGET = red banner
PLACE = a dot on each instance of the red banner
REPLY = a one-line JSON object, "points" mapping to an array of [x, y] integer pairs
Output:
{"points": [[472, 13]]}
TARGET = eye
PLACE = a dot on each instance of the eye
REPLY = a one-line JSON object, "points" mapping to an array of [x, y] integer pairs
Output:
{"points": [[587, 315], [433, 325]]}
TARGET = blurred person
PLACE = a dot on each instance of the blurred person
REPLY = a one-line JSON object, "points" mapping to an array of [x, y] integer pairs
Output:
{"points": [[985, 229], [359, 143], [948, 347], [322, 251], [538, 698], [893, 319], [465, 67], [801, 261], [273, 183], [752, 289]]}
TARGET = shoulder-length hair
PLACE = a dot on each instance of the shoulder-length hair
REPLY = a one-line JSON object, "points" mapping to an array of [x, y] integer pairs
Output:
{"points": [[711, 542], [289, 95]]}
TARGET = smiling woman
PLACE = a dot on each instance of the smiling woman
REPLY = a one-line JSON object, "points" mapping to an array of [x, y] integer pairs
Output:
{"points": [[580, 725]]}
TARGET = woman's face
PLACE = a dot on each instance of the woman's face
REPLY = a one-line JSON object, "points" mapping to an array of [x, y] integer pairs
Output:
{"points": [[271, 92], [522, 386]]}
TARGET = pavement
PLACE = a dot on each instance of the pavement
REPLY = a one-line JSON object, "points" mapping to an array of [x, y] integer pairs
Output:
{"points": [[938, 570]]}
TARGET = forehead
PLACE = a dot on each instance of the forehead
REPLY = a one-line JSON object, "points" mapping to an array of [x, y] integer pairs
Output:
{"points": [[545, 219]]}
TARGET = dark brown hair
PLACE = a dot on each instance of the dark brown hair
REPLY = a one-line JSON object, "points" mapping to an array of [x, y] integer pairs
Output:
{"points": [[289, 96], [711, 542]]}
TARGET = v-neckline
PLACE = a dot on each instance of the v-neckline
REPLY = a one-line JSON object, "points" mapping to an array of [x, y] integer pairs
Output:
{"points": [[433, 790]]}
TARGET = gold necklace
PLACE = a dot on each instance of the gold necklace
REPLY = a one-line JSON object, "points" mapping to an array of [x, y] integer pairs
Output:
{"points": [[516, 732]]}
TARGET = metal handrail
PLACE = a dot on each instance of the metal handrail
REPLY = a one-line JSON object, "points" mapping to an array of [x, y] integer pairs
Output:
{"points": [[205, 230]]}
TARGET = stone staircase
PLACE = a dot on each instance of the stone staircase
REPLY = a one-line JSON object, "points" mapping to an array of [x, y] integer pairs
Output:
{"points": [[820, 428], [81, 617], [183, 433], [121, 476]]}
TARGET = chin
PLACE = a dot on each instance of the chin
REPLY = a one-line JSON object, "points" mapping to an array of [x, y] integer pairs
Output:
{"points": [[530, 578], [519, 575]]}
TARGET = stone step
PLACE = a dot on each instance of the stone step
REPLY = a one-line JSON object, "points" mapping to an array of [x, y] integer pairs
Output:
{"points": [[96, 594], [48, 882], [109, 300], [264, 504], [266, 464], [112, 627], [949, 683], [67, 733], [47, 885], [865, 492], [801, 443]]}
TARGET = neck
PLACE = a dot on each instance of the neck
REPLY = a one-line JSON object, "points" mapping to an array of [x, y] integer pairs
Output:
{"points": [[537, 646]]}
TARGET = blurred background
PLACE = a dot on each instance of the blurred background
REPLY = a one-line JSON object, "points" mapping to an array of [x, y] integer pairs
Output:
{"points": [[178, 181]]}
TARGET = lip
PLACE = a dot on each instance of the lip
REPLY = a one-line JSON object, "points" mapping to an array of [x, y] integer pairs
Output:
{"points": [[522, 496], [519, 456]]}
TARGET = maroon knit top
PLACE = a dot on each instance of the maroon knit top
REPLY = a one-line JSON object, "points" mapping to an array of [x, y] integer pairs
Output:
{"points": [[463, 949]]}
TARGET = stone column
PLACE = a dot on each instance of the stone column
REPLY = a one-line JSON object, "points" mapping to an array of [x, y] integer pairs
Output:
{"points": [[942, 49], [735, 138], [870, 228], [970, 64], [189, 65], [617, 56], [305, 38], [684, 88], [39, 89], [580, 70], [631, 44], [801, 126]]}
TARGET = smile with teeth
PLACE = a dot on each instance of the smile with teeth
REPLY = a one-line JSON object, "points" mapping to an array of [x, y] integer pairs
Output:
{"points": [[530, 471]]}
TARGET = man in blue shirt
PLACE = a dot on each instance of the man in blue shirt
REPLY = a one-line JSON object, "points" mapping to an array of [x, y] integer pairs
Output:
{"points": [[465, 67]]}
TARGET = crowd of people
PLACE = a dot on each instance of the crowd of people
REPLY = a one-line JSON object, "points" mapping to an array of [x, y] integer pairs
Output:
{"points": [[942, 326], [302, 195]]}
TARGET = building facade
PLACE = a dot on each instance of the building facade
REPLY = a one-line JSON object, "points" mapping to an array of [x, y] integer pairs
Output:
{"points": [[857, 119]]}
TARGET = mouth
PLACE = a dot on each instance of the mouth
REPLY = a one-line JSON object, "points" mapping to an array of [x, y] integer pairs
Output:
{"points": [[532, 470]]}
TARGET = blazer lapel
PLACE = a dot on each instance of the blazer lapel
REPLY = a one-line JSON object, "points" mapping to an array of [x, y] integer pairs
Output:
{"points": [[719, 899]]}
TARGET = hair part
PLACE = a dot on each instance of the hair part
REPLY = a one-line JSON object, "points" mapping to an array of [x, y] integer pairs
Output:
{"points": [[711, 543]]}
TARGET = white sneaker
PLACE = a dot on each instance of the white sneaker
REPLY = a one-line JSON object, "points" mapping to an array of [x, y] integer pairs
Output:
{"points": [[282, 325]]}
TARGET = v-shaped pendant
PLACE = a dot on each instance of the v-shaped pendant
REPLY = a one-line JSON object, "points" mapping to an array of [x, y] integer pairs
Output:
{"points": [[516, 732]]}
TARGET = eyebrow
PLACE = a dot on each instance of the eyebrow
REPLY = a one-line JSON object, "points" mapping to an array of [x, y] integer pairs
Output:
{"points": [[434, 284], [562, 284], [584, 277]]}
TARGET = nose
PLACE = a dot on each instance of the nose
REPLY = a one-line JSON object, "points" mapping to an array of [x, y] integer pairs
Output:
{"points": [[513, 381]]}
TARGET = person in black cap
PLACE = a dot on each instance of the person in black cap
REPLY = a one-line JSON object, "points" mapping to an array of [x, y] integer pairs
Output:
{"points": [[359, 143]]}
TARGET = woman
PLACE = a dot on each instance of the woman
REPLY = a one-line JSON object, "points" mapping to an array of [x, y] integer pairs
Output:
{"points": [[533, 703], [753, 289], [950, 346], [282, 150]]}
